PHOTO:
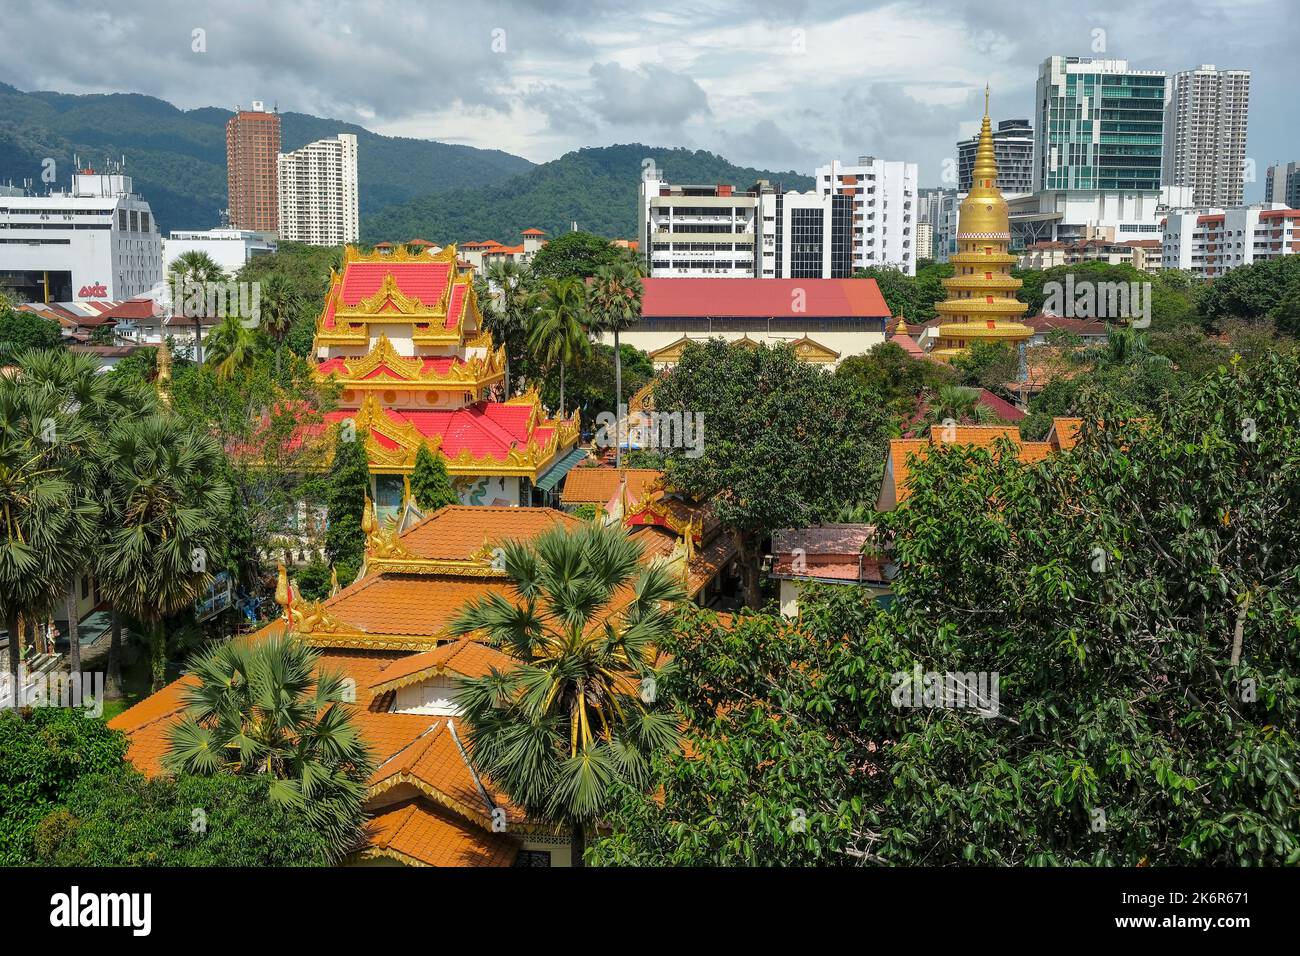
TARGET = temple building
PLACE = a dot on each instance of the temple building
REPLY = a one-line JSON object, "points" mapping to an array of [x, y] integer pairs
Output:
{"points": [[981, 304], [402, 334], [390, 634]]}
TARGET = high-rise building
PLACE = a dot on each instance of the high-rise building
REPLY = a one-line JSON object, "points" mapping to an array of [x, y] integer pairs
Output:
{"points": [[1099, 125], [1205, 133], [939, 209], [1282, 185], [1013, 144], [924, 240], [252, 145], [96, 241], [318, 192], [884, 211], [718, 231], [981, 304]]}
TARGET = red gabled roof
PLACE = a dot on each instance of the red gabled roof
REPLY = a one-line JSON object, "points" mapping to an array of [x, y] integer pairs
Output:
{"points": [[425, 281], [532, 232], [485, 429], [742, 298]]}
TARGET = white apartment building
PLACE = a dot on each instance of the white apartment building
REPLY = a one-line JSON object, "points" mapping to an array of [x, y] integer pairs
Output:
{"points": [[318, 192], [924, 240], [1210, 242], [699, 231], [1205, 134], [97, 241], [885, 209], [939, 209], [229, 248], [1282, 184], [1076, 215]]}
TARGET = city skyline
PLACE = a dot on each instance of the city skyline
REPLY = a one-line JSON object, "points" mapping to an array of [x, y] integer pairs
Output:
{"points": [[767, 85]]}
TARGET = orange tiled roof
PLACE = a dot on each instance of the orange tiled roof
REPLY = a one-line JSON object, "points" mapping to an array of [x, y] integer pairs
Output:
{"points": [[412, 610], [894, 488], [1065, 433], [595, 485], [420, 834], [458, 532], [465, 657]]}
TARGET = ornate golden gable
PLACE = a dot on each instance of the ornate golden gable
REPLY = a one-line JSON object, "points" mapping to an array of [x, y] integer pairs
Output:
{"points": [[807, 350], [473, 374]]}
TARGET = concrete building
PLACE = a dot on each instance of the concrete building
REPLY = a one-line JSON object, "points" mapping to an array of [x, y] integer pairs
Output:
{"points": [[96, 241], [939, 209], [252, 145], [805, 235], [698, 231], [924, 241], [1145, 255], [1205, 134], [1282, 185], [1099, 125], [1075, 215], [1013, 143], [1210, 242], [229, 248], [318, 192], [885, 209]]}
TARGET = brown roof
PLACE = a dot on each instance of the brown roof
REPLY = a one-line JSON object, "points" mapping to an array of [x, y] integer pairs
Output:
{"points": [[413, 606], [894, 488], [1065, 433], [597, 485]]}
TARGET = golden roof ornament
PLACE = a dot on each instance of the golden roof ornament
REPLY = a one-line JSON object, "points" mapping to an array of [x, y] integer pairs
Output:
{"points": [[334, 580], [163, 380], [282, 585]]}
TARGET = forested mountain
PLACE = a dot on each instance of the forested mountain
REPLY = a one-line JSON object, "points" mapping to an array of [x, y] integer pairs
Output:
{"points": [[596, 186], [178, 157]]}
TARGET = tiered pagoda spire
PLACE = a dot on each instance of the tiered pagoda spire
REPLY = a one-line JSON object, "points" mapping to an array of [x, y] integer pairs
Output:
{"points": [[981, 304]]}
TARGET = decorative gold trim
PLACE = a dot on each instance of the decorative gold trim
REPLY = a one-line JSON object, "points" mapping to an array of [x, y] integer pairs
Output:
{"points": [[475, 373]]}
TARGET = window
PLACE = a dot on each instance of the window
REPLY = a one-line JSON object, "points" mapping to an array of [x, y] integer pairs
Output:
{"points": [[533, 858]]}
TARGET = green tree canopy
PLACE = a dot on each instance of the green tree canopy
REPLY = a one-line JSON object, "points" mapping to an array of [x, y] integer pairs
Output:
{"points": [[430, 483]]}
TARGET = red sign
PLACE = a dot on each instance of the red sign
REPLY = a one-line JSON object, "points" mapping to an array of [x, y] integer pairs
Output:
{"points": [[96, 291]]}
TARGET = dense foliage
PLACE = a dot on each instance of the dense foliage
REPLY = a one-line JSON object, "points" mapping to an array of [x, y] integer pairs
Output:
{"points": [[1138, 599], [44, 752], [430, 484], [126, 819]]}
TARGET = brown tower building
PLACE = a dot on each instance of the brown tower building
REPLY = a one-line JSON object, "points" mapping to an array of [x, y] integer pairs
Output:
{"points": [[252, 145]]}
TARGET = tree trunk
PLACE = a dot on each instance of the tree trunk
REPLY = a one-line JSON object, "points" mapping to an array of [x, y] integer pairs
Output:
{"points": [[618, 403], [198, 340], [113, 680], [15, 661], [561, 391], [577, 843], [507, 383], [747, 557], [74, 627], [277, 361], [158, 657]]}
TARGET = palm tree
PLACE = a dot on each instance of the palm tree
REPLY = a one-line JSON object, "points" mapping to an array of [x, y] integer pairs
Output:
{"points": [[572, 720], [265, 708], [164, 497], [232, 346], [557, 333], [279, 307], [615, 299], [955, 403], [74, 381], [508, 308], [191, 272], [1125, 345], [47, 525]]}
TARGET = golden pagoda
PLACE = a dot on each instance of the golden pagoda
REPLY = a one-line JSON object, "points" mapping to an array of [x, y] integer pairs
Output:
{"points": [[981, 304]]}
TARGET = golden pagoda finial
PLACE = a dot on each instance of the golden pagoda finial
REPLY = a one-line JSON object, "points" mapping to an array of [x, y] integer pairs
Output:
{"points": [[334, 580], [901, 328], [986, 99]]}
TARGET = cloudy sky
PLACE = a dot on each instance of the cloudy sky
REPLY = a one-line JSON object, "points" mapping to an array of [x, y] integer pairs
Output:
{"points": [[771, 83]]}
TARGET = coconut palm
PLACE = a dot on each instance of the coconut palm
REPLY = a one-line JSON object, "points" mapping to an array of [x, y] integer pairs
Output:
{"points": [[266, 708], [47, 524], [164, 496], [615, 300], [232, 346], [279, 306], [1125, 345], [190, 274], [508, 308], [573, 720], [557, 334]]}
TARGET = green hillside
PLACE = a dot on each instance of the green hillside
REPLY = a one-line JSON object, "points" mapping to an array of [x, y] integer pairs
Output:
{"points": [[178, 157], [597, 187]]}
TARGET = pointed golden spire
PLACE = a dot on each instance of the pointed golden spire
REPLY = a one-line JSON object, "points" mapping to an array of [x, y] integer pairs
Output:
{"points": [[163, 381]]}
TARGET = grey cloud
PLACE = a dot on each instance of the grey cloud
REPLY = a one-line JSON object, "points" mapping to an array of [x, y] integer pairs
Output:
{"points": [[650, 93]]}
